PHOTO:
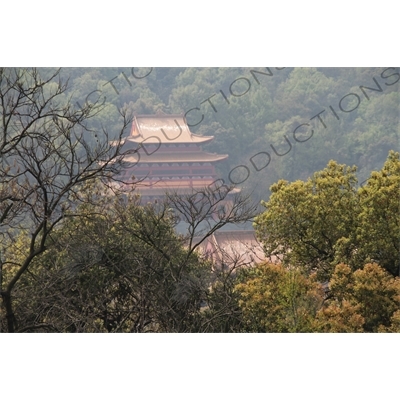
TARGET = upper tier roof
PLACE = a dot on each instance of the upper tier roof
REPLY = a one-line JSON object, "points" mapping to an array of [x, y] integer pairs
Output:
{"points": [[163, 129], [186, 157]]}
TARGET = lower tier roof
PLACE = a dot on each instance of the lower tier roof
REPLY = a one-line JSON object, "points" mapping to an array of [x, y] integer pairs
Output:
{"points": [[184, 157]]}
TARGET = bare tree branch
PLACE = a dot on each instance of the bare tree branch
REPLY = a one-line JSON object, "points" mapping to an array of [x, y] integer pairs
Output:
{"points": [[46, 156]]}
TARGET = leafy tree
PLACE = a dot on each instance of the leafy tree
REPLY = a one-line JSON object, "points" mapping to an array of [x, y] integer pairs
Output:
{"points": [[114, 265], [366, 300], [379, 228], [275, 299], [115, 268], [326, 220], [303, 93], [222, 313], [339, 318], [303, 221]]}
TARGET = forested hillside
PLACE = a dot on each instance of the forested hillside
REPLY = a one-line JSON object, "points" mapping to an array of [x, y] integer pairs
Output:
{"points": [[315, 152], [273, 122]]}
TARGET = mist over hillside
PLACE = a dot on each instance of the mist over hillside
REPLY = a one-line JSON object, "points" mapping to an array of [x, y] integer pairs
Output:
{"points": [[275, 123]]}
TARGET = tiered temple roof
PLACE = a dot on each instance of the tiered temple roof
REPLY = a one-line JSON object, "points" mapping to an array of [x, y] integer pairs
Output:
{"points": [[167, 156], [234, 248], [164, 129]]}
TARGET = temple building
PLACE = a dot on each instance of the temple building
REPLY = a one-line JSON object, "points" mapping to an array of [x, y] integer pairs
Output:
{"points": [[227, 249], [161, 155], [166, 156]]}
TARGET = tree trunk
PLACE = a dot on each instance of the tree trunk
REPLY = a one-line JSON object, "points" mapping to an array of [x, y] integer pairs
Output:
{"points": [[9, 312]]}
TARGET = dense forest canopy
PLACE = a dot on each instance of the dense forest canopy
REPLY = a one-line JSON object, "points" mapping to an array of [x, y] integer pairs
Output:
{"points": [[274, 122]]}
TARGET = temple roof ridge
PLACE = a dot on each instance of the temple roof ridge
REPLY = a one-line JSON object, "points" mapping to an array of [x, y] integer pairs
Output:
{"points": [[156, 128], [187, 157]]}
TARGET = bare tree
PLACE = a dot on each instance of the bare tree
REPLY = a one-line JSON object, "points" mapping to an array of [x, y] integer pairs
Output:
{"points": [[120, 266], [48, 151], [198, 214]]}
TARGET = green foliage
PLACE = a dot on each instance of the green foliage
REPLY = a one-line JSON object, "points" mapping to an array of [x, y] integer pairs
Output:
{"points": [[366, 300], [379, 228], [325, 220], [276, 299], [304, 220], [274, 105], [222, 313], [95, 265], [119, 268], [273, 298]]}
